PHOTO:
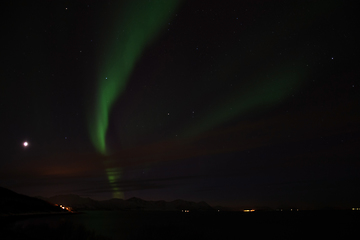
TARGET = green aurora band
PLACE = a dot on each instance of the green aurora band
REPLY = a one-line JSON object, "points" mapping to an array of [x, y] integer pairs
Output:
{"points": [[268, 90], [136, 25]]}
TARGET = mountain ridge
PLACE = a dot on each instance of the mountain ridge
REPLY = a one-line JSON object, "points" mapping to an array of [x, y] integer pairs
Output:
{"points": [[12, 203], [81, 203]]}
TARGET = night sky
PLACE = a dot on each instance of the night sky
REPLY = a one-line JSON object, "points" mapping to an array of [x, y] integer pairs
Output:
{"points": [[237, 103]]}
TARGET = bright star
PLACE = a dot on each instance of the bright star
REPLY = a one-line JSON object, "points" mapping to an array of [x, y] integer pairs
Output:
{"points": [[25, 144]]}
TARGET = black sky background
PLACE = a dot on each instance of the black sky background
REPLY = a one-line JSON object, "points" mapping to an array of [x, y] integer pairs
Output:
{"points": [[301, 150]]}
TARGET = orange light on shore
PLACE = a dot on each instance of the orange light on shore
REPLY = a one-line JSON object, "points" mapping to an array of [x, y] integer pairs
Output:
{"points": [[249, 210]]}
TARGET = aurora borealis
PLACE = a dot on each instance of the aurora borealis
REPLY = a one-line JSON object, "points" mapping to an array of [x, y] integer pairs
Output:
{"points": [[237, 103], [135, 26]]}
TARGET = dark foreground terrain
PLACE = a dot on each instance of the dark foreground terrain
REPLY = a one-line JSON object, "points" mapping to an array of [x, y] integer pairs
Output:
{"points": [[170, 225]]}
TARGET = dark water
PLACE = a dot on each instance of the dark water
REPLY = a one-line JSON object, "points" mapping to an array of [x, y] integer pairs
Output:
{"points": [[231, 225]]}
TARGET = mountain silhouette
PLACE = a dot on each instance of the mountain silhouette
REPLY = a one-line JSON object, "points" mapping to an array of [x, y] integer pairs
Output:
{"points": [[80, 203], [12, 203]]}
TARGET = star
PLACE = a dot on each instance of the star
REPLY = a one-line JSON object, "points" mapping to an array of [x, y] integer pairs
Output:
{"points": [[26, 144]]}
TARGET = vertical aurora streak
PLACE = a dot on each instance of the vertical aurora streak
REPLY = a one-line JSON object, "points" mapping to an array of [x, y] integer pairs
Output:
{"points": [[136, 24], [139, 23]]}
